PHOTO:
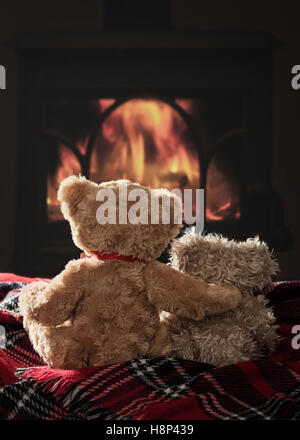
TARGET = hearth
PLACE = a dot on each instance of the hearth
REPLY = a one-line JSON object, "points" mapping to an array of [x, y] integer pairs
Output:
{"points": [[165, 108]]}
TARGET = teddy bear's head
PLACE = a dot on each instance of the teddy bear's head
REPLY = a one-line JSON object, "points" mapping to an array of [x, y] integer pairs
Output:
{"points": [[247, 264], [93, 211]]}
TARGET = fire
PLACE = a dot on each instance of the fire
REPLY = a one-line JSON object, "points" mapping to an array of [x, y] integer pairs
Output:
{"points": [[69, 166], [222, 212], [222, 197], [147, 141]]}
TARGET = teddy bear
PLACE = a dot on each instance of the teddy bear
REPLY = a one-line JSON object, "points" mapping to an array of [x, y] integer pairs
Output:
{"points": [[246, 333], [104, 308]]}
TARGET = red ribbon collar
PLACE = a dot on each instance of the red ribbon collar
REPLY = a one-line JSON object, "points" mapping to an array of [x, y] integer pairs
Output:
{"points": [[102, 256]]}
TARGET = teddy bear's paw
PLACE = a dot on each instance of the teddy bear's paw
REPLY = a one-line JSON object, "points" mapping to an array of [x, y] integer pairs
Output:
{"points": [[197, 312], [222, 297], [30, 297]]}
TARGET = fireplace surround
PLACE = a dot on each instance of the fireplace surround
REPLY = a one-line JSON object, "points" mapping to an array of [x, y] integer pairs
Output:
{"points": [[94, 103]]}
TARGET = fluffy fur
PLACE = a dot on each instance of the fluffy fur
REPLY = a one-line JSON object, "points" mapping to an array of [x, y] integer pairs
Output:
{"points": [[100, 312], [245, 333]]}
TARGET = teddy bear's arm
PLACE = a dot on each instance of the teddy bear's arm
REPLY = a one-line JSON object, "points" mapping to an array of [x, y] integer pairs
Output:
{"points": [[187, 296], [52, 303]]}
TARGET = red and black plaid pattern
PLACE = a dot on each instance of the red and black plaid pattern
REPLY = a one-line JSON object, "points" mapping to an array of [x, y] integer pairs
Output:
{"points": [[153, 388]]}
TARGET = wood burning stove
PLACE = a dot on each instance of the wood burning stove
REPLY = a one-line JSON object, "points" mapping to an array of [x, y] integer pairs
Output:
{"points": [[166, 108]]}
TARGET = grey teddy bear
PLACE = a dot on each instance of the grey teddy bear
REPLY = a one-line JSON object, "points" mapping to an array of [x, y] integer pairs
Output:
{"points": [[246, 333]]}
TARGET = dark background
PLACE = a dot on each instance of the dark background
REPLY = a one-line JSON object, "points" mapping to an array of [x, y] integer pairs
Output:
{"points": [[281, 18]]}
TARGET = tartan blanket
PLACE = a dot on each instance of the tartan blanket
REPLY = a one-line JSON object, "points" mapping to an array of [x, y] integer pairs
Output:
{"points": [[153, 388]]}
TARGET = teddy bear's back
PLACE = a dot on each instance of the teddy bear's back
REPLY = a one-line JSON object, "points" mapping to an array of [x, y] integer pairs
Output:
{"points": [[247, 332], [114, 318]]}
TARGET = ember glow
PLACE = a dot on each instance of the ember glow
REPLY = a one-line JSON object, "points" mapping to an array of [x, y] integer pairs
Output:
{"points": [[146, 141], [222, 197]]}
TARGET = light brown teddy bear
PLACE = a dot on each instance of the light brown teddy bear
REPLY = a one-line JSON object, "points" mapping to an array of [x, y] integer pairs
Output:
{"points": [[104, 308], [245, 333]]}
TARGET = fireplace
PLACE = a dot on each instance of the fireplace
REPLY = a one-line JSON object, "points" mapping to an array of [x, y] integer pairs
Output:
{"points": [[165, 108]]}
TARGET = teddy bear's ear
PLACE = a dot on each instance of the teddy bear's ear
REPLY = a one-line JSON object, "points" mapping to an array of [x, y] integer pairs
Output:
{"points": [[71, 191]]}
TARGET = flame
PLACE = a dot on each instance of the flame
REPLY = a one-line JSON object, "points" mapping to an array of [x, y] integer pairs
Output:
{"points": [[69, 166], [147, 141], [224, 211], [222, 197]]}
